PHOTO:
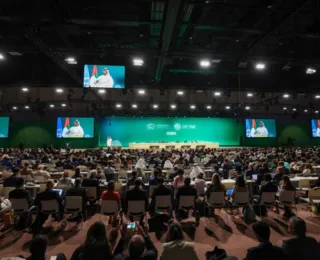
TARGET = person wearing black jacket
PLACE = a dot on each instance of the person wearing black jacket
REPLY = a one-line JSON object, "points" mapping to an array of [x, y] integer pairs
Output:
{"points": [[186, 190], [92, 182], [140, 246], [79, 191], [20, 193], [11, 181], [161, 190]]}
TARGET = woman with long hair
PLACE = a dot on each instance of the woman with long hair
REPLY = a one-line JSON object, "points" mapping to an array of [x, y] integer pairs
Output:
{"points": [[287, 186], [239, 186], [96, 245], [175, 246], [215, 186]]}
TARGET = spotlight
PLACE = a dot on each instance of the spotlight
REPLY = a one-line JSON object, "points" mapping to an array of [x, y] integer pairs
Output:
{"points": [[155, 106], [137, 62], [284, 108], [71, 60], [63, 105], [294, 109], [25, 89], [217, 94], [101, 91], [59, 90], [249, 94], [247, 108], [311, 71], [51, 105], [209, 107], [192, 106], [306, 110], [286, 95], [205, 63], [173, 106], [1, 56], [14, 108], [260, 66], [26, 107], [118, 105], [317, 96], [141, 91], [227, 107], [316, 111], [134, 106], [180, 93]]}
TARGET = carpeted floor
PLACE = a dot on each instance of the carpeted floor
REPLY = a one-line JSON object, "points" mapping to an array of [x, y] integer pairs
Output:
{"points": [[235, 237]]}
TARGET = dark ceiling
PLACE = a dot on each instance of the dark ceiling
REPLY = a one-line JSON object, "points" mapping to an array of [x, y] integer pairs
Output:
{"points": [[172, 36]]}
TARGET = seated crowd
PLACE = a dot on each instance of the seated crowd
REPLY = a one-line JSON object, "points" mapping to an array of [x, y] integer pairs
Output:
{"points": [[268, 167]]}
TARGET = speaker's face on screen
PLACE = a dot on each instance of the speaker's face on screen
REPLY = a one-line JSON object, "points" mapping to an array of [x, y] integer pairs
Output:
{"points": [[105, 72], [76, 123]]}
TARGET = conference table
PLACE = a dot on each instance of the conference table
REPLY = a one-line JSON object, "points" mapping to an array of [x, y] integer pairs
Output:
{"points": [[174, 145]]}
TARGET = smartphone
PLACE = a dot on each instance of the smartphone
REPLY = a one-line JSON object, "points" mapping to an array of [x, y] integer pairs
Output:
{"points": [[131, 225]]}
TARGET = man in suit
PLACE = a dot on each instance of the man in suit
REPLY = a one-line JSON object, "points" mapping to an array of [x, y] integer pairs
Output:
{"points": [[11, 181], [79, 191], [265, 250], [161, 190], [136, 194], [140, 246], [48, 194], [186, 190], [300, 247], [92, 182], [20, 193]]}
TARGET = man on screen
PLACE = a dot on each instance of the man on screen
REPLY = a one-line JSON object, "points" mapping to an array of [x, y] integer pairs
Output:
{"points": [[105, 80], [318, 131], [74, 131], [109, 141], [261, 131]]}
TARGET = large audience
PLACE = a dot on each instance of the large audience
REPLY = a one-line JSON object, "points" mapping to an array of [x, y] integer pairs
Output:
{"points": [[123, 175]]}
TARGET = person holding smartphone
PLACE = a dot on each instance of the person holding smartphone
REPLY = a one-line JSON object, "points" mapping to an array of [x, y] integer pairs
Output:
{"points": [[140, 246]]}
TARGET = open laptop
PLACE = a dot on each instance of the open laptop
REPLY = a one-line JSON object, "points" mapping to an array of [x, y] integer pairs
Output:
{"points": [[255, 177], [229, 192], [59, 191]]}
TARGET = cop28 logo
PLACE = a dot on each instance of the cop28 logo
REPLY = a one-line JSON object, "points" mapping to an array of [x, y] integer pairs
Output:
{"points": [[151, 126], [177, 126]]}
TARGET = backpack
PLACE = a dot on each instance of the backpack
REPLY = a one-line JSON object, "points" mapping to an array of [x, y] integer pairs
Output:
{"points": [[249, 215]]}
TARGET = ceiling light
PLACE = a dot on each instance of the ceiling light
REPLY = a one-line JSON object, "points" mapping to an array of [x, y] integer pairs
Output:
{"points": [[101, 91], [134, 106], [63, 105], [25, 89], [51, 105], [294, 109], [14, 108], [311, 71], [59, 90], [227, 107], [26, 107], [1, 56], [249, 94], [119, 105], [180, 93], [155, 106], [247, 108], [284, 108], [209, 107], [286, 95], [306, 110], [141, 91], [260, 66], [317, 96], [316, 111], [217, 94], [192, 106], [70, 59], [205, 63], [137, 62], [173, 106]]}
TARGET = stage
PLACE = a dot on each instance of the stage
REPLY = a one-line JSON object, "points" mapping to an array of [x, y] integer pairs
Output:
{"points": [[173, 145]]}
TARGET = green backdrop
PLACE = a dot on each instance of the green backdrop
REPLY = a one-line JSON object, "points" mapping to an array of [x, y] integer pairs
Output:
{"points": [[4, 127], [36, 133], [124, 130]]}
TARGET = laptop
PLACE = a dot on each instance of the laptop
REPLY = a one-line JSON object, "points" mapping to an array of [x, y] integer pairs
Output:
{"points": [[229, 192], [59, 191], [255, 177]]}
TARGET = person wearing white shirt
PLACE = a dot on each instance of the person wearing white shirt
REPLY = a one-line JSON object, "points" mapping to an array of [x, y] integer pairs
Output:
{"points": [[318, 131], [74, 131], [261, 131], [104, 81], [196, 170], [109, 141]]}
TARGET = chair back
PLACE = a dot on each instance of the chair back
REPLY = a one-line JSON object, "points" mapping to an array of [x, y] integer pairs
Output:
{"points": [[186, 202], [200, 187], [314, 194], [109, 207], [241, 198], [163, 202], [92, 192], [287, 197], [19, 205], [6, 191], [228, 185], [49, 206], [42, 187], [217, 199], [39, 178], [73, 204], [304, 183], [118, 186], [268, 198], [117, 166], [151, 188], [136, 207]]}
